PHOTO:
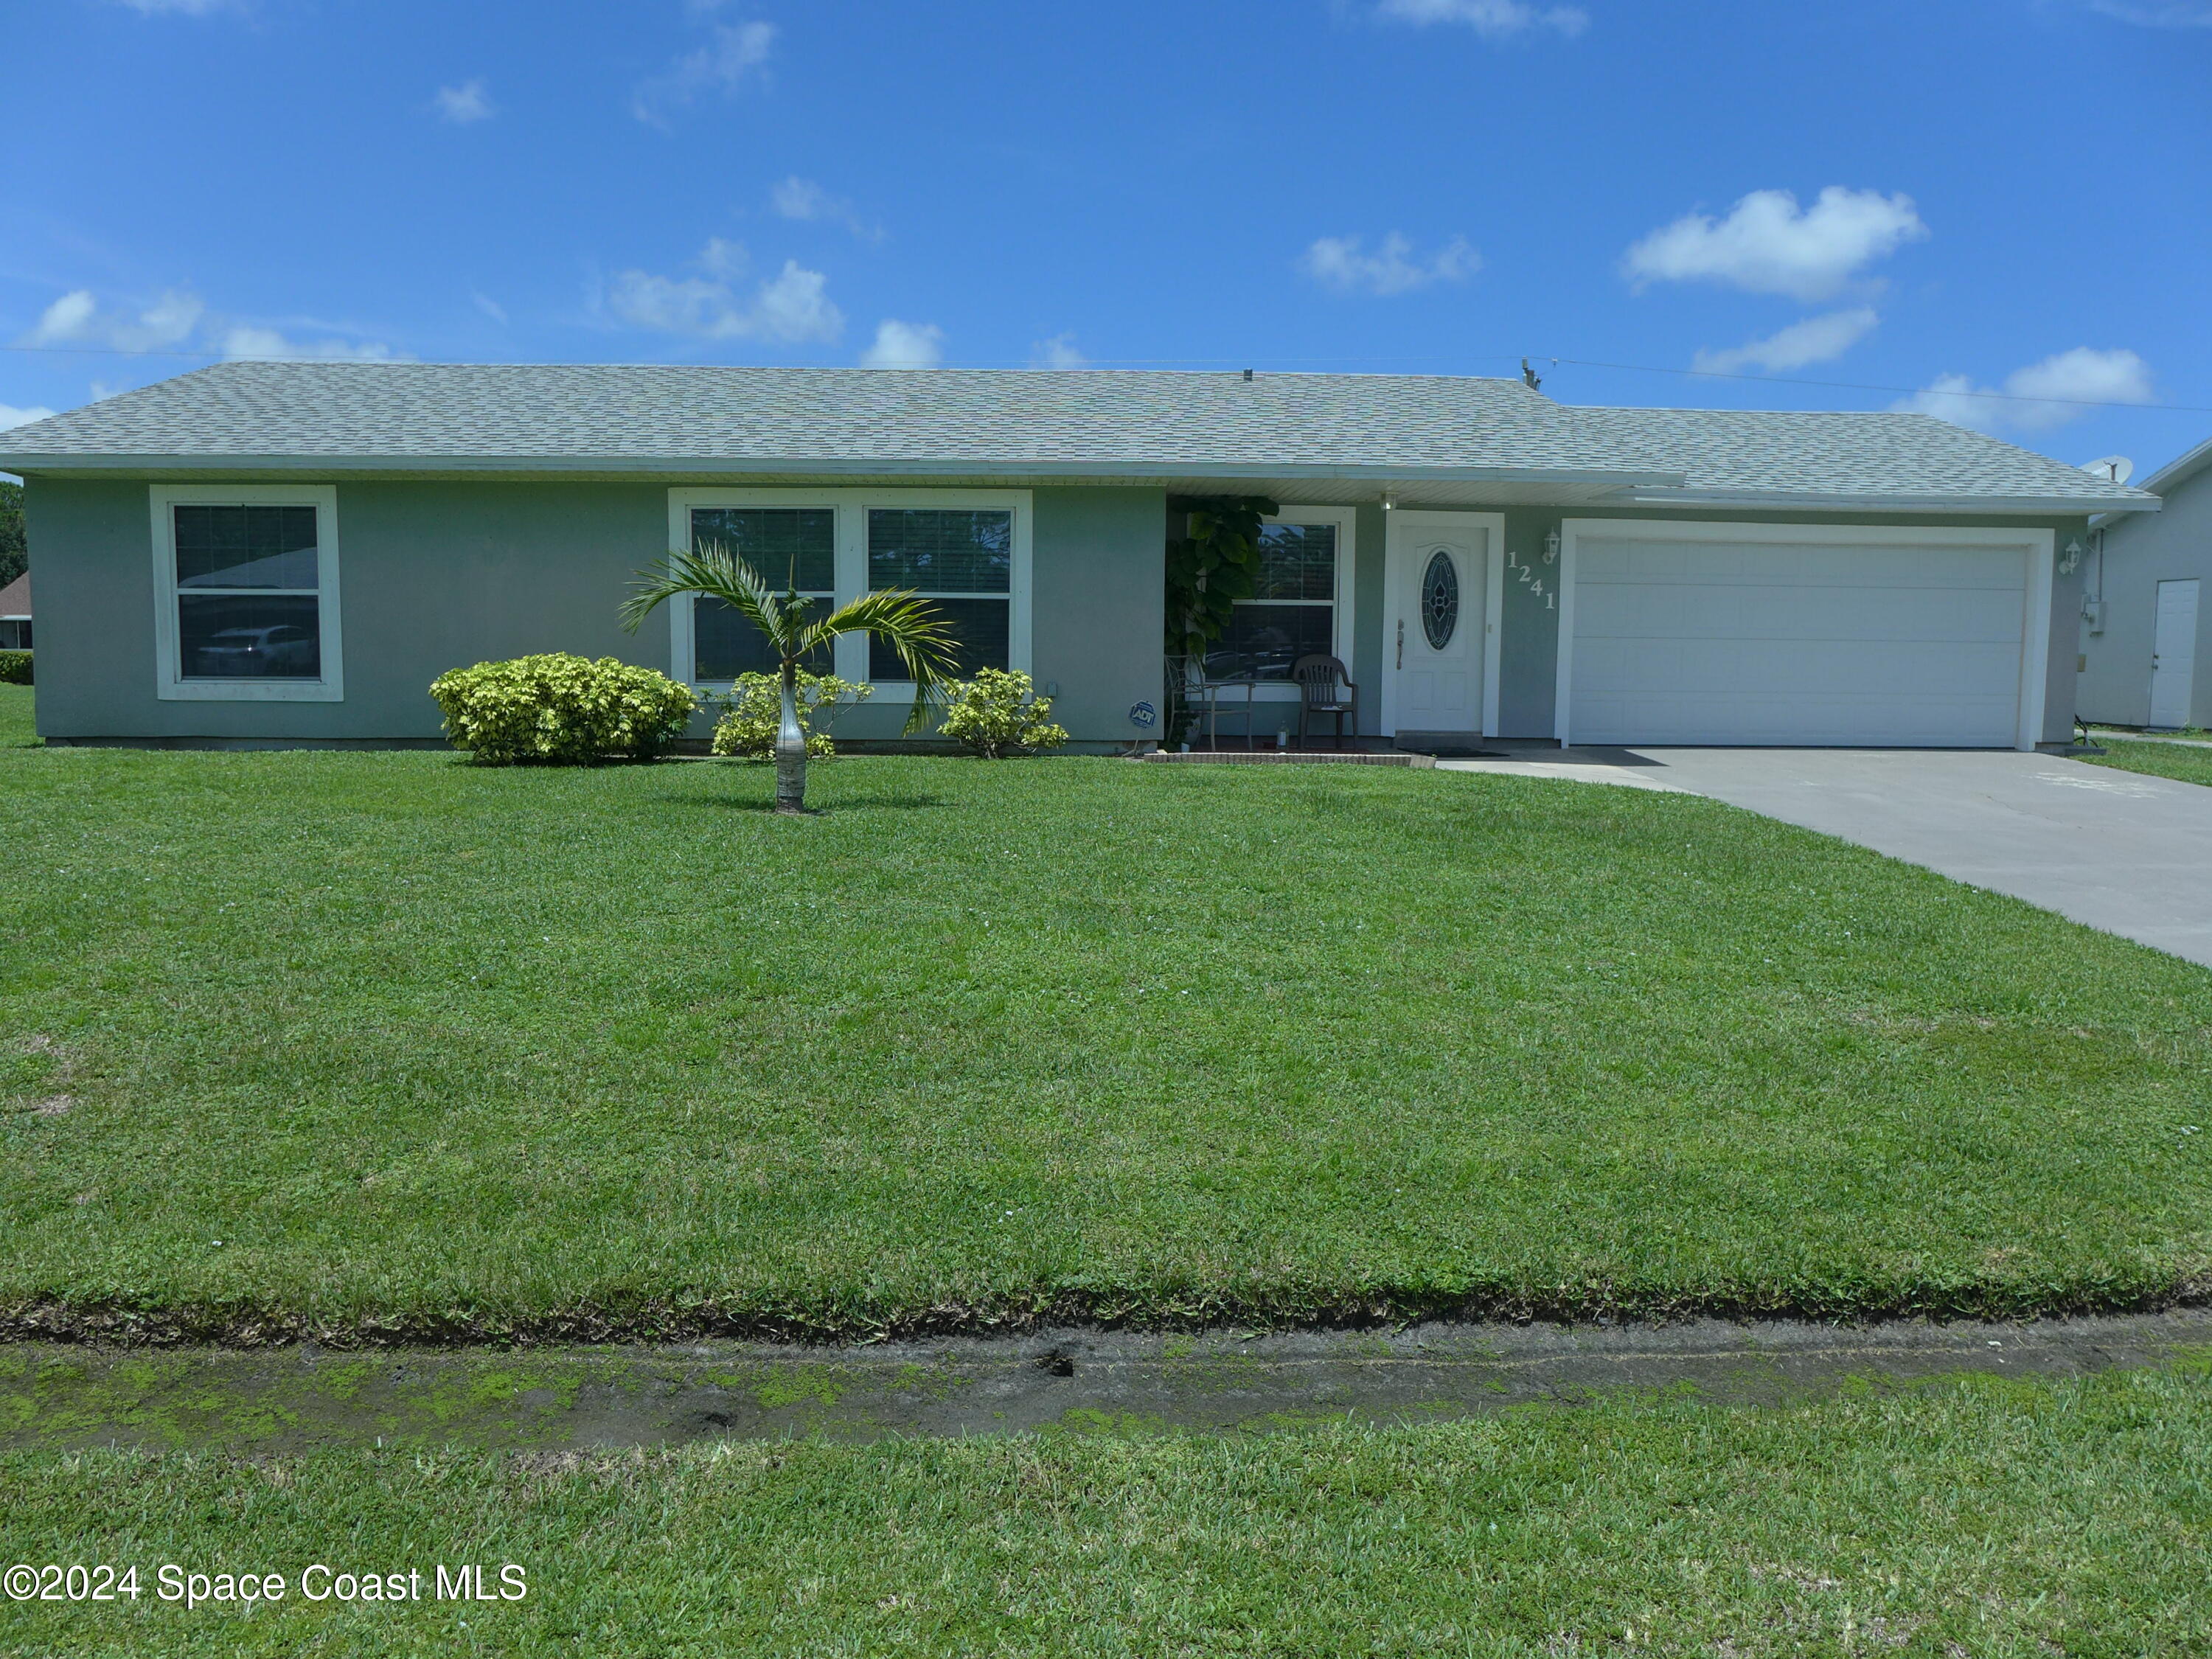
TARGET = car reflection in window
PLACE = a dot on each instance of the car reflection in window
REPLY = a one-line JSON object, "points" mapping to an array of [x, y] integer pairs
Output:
{"points": [[241, 653]]}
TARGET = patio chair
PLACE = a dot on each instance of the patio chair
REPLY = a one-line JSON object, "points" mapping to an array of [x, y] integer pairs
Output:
{"points": [[1202, 694], [1326, 687]]}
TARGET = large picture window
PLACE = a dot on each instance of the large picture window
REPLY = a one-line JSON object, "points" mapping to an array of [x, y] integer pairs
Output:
{"points": [[962, 562], [1293, 610], [245, 584], [793, 548], [965, 551]]}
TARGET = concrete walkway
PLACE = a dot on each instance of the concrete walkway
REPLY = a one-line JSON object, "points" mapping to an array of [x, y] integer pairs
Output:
{"points": [[2118, 851]]}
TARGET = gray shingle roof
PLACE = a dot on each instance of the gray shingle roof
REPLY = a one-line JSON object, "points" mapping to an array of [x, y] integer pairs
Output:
{"points": [[1021, 424]]}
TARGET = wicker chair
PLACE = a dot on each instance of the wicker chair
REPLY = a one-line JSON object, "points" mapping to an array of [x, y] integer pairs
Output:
{"points": [[1326, 687]]}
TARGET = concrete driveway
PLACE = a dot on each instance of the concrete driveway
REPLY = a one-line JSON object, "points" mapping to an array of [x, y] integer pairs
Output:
{"points": [[2126, 853]]}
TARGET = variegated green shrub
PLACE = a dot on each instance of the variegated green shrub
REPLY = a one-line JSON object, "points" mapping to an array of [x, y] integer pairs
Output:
{"points": [[999, 714], [562, 710]]}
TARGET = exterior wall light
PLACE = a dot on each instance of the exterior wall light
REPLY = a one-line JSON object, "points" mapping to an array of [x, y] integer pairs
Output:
{"points": [[2070, 561], [1551, 547], [1389, 499]]}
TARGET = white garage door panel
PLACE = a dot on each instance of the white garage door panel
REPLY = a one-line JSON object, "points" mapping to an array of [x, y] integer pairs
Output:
{"points": [[1683, 641]]}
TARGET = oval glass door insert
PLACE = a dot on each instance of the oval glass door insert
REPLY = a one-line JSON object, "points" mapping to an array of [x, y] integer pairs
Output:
{"points": [[1439, 599]]}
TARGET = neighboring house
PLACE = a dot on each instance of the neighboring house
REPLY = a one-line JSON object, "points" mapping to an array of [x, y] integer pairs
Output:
{"points": [[290, 552], [16, 614], [2147, 614]]}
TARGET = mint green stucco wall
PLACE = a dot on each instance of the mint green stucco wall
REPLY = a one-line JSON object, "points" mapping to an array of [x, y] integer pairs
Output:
{"points": [[437, 574], [434, 576]]}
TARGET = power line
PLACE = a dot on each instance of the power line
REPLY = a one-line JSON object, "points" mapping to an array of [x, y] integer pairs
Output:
{"points": [[111, 351]]}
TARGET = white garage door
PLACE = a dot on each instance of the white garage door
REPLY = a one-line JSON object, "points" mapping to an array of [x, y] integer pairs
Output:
{"points": [[1680, 637]]}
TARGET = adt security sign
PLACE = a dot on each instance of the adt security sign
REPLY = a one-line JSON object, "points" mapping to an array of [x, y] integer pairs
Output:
{"points": [[1144, 716]]}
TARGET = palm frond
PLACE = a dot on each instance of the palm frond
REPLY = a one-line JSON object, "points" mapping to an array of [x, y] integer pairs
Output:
{"points": [[910, 625], [713, 572]]}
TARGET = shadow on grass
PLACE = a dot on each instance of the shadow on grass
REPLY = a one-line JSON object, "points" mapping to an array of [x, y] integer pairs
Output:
{"points": [[815, 809]]}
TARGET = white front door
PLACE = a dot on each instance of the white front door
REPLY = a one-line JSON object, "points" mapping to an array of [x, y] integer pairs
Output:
{"points": [[2173, 654], [1433, 648]]}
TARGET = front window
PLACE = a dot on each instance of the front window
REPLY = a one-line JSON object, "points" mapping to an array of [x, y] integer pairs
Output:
{"points": [[1293, 610], [246, 592], [249, 593], [961, 561], [792, 549]]}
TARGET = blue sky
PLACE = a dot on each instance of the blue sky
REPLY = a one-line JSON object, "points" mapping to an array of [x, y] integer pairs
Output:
{"points": [[1998, 209]]}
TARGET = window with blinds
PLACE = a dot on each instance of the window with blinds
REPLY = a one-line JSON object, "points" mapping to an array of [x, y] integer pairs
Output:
{"points": [[794, 548], [1293, 610], [960, 560]]}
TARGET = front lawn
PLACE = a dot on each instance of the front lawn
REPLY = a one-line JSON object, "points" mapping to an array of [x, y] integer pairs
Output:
{"points": [[1969, 1517], [18, 723], [394, 1045], [2177, 761]]}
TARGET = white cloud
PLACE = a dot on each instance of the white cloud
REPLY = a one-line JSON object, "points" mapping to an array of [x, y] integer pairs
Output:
{"points": [[1058, 352], [1338, 263], [1815, 340], [905, 345], [1769, 244], [77, 318], [247, 340], [2158, 14], [726, 259], [11, 416], [465, 103], [181, 322], [803, 200], [789, 309], [721, 65], [490, 306], [2059, 390], [1492, 19]]}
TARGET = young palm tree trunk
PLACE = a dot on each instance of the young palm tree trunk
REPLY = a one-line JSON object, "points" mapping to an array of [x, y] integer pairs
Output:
{"points": [[790, 750]]}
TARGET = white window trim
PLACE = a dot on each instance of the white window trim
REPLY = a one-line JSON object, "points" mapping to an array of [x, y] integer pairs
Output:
{"points": [[1341, 635], [851, 506], [169, 682], [2036, 547]]}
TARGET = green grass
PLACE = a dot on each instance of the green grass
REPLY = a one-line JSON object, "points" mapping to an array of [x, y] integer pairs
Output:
{"points": [[1970, 1517], [17, 726], [390, 1045], [2161, 760]]}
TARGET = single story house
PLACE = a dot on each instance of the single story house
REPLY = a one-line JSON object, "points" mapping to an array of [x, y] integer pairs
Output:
{"points": [[16, 614], [2146, 627], [290, 553]]}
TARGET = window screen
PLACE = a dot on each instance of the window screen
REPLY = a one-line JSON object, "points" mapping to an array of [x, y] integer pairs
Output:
{"points": [[1293, 610], [961, 560], [790, 548], [249, 593]]}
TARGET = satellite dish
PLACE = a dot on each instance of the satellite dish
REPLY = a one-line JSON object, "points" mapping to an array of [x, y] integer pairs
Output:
{"points": [[2113, 469]]}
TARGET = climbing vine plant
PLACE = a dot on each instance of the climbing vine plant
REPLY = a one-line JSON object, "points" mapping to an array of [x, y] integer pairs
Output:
{"points": [[1209, 568]]}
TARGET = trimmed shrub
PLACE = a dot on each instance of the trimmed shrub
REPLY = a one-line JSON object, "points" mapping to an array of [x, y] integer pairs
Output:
{"points": [[14, 668], [753, 710], [561, 710], [999, 714]]}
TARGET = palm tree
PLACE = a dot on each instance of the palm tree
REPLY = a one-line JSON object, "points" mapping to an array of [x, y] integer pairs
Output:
{"points": [[909, 626]]}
